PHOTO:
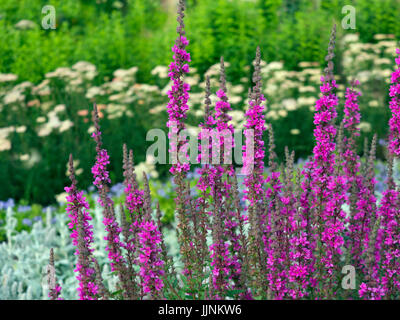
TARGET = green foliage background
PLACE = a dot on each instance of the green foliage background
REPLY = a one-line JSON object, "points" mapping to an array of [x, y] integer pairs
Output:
{"points": [[122, 34], [119, 34]]}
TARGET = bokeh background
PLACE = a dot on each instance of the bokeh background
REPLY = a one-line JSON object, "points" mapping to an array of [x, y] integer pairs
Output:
{"points": [[116, 53]]}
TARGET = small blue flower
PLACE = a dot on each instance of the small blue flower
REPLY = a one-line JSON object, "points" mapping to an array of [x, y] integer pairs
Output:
{"points": [[10, 203], [24, 208], [382, 142], [27, 222], [117, 189], [161, 192]]}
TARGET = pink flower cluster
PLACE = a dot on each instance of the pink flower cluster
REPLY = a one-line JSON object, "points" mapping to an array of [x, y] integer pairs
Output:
{"points": [[82, 239], [388, 242], [254, 162], [253, 159], [151, 266], [100, 173], [134, 199], [54, 294], [220, 263], [101, 178], [178, 98], [394, 105]]}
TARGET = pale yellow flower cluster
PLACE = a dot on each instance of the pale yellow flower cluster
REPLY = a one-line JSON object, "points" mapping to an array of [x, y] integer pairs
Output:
{"points": [[287, 91]]}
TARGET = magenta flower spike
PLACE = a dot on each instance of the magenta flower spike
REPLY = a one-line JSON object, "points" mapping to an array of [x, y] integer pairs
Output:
{"points": [[134, 202], [388, 238], [101, 180], [253, 168], [54, 287], [114, 244], [327, 195], [177, 106], [151, 264], [253, 162], [394, 105], [82, 238], [356, 184], [225, 261]]}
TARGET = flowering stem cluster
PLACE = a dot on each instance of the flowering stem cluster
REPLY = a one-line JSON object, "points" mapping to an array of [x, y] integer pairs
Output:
{"points": [[286, 237], [82, 238]]}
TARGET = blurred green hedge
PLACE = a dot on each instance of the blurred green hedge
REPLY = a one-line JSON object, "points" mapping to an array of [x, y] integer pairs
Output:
{"points": [[120, 34]]}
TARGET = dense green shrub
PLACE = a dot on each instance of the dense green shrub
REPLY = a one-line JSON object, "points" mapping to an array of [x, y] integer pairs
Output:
{"points": [[115, 34]]}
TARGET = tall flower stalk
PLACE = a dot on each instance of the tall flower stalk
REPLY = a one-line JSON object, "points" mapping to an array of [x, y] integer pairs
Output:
{"points": [[326, 184], [134, 204], [114, 247], [150, 252], [177, 108], [394, 105], [253, 165], [54, 287], [82, 238], [388, 237], [204, 185]]}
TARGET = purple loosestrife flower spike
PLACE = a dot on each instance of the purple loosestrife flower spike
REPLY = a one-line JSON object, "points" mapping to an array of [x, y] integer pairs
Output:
{"points": [[134, 204], [370, 289], [274, 223], [168, 262], [253, 167], [177, 108], [226, 240], [293, 255], [361, 222], [206, 180], [150, 254], [255, 121], [331, 54], [133, 195], [103, 292], [394, 122], [54, 287], [350, 123], [327, 193], [242, 245], [82, 238], [388, 237], [300, 252], [350, 162], [114, 245], [151, 265]]}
